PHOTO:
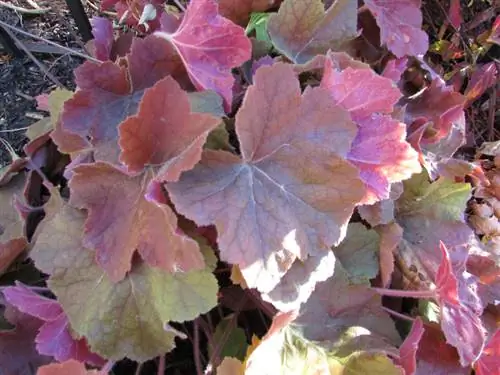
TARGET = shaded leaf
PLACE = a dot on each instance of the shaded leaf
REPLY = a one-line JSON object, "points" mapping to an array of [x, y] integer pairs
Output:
{"points": [[122, 219], [409, 347], [270, 207], [54, 337], [164, 132], [303, 29], [231, 338], [239, 11], [484, 77], [390, 237], [400, 24], [18, 355], [461, 325], [431, 114], [489, 361], [358, 253], [445, 363], [123, 319], [455, 14]]}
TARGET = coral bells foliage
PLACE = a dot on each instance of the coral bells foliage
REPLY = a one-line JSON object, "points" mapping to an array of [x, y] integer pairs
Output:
{"points": [[321, 184]]}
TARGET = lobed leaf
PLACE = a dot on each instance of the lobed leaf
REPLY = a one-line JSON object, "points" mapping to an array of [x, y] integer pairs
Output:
{"points": [[124, 319], [429, 213], [290, 194], [110, 92], [164, 132], [121, 219], [358, 253], [489, 360], [409, 347], [400, 23], [303, 29], [210, 46], [380, 150], [18, 354], [54, 337]]}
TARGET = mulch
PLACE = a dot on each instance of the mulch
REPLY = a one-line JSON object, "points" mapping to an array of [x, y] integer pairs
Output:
{"points": [[21, 80]]}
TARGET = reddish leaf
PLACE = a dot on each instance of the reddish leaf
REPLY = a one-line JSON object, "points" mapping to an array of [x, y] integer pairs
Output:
{"points": [[408, 349], [395, 68], [455, 14], [109, 93], [400, 23], [31, 303], [429, 363], [489, 361], [121, 220], [42, 102], [164, 132], [380, 150], [494, 36], [210, 46], [303, 29], [271, 207], [239, 11], [484, 77], [462, 327], [54, 337], [69, 367], [18, 355], [433, 112], [382, 212], [102, 30]]}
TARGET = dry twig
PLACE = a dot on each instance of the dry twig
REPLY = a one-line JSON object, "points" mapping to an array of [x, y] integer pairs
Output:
{"points": [[18, 9], [69, 50]]}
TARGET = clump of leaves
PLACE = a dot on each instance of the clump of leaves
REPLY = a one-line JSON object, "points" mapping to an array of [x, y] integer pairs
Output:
{"points": [[280, 151]]}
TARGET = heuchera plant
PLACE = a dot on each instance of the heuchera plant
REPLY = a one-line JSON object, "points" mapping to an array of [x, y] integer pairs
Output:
{"points": [[284, 151]]}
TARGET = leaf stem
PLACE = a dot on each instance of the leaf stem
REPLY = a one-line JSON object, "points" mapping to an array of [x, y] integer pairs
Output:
{"points": [[398, 315], [107, 368], [406, 293], [196, 348], [161, 365]]}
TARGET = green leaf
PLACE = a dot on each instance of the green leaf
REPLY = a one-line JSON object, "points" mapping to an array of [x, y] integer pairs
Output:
{"points": [[206, 101], [218, 139], [125, 319], [429, 310], [364, 363], [231, 338], [429, 213], [258, 23], [358, 253], [443, 199]]}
